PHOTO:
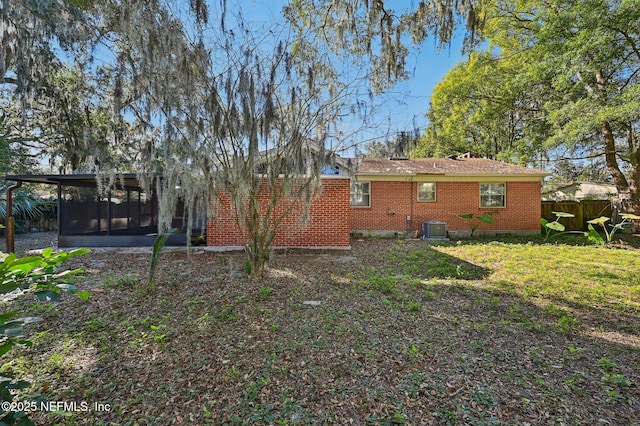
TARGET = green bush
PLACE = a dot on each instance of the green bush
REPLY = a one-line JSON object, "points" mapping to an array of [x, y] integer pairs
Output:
{"points": [[484, 218], [593, 235], [33, 274]]}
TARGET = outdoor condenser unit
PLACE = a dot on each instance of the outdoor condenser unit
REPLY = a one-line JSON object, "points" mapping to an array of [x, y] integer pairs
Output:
{"points": [[434, 230]]}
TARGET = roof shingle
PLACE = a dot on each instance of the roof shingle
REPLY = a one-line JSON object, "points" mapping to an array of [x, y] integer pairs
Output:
{"points": [[440, 166]]}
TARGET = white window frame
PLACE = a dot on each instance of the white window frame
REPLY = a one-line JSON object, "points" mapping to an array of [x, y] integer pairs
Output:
{"points": [[434, 186], [362, 194], [492, 194]]}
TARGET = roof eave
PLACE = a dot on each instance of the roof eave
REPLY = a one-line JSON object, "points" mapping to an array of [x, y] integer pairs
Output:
{"points": [[483, 175]]}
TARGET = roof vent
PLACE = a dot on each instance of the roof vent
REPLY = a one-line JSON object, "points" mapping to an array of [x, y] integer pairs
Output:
{"points": [[452, 157], [399, 158]]}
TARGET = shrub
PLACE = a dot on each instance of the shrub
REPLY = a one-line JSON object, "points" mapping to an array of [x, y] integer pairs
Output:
{"points": [[484, 218], [39, 275], [593, 235]]}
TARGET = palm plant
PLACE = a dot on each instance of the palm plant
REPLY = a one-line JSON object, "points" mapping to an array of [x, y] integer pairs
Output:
{"points": [[24, 206]]}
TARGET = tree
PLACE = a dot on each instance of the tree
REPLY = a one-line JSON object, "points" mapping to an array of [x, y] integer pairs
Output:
{"points": [[581, 62], [595, 50], [243, 123], [399, 146], [483, 106], [32, 33], [377, 36], [49, 93], [224, 114], [566, 171], [14, 156], [67, 120]]}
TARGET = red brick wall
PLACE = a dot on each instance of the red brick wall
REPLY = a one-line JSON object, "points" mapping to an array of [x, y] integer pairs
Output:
{"points": [[328, 226], [392, 202]]}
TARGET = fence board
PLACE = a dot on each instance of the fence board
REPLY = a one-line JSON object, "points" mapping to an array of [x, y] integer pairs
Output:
{"points": [[583, 211]]}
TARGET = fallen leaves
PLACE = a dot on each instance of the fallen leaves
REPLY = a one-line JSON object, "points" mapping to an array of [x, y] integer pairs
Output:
{"points": [[211, 347]]}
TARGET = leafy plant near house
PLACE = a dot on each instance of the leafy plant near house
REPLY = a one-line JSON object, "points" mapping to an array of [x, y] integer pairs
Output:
{"points": [[38, 275], [595, 237], [23, 206], [158, 245], [156, 254], [555, 228], [475, 221]]}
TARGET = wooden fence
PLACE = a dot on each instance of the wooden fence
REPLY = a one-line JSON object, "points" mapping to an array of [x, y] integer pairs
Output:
{"points": [[582, 210]]}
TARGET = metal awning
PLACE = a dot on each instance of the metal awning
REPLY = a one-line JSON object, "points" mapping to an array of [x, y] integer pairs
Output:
{"points": [[88, 179]]}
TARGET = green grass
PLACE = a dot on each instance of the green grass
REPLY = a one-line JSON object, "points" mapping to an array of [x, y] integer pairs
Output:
{"points": [[577, 275]]}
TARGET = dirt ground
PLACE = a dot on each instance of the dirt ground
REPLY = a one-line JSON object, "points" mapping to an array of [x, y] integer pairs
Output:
{"points": [[31, 241], [391, 332]]}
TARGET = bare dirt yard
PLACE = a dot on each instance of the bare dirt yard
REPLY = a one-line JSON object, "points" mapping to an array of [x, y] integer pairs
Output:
{"points": [[391, 332]]}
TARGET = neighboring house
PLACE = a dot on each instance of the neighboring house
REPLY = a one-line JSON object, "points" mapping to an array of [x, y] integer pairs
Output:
{"points": [[579, 191], [398, 195]]}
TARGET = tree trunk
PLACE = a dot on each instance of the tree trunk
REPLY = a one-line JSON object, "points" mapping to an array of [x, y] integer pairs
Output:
{"points": [[258, 256], [611, 159], [634, 158], [619, 178]]}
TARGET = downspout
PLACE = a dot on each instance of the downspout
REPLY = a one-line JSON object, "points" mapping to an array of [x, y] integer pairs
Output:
{"points": [[410, 222], [9, 219]]}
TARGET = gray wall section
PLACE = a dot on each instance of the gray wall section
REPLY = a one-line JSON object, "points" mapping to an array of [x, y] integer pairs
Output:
{"points": [[117, 240]]}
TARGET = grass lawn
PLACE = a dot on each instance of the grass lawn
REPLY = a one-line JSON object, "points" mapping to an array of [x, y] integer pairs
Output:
{"points": [[393, 332]]}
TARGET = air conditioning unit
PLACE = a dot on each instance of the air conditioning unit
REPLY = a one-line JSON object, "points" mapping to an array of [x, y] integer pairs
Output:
{"points": [[434, 230]]}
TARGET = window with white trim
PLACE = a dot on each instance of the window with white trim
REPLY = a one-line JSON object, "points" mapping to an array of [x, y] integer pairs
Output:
{"points": [[427, 191], [493, 195], [360, 194]]}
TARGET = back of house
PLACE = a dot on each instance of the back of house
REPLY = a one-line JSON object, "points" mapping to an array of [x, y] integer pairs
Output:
{"points": [[399, 195]]}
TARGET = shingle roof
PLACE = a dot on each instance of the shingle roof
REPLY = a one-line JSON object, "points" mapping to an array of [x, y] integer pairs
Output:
{"points": [[440, 166]]}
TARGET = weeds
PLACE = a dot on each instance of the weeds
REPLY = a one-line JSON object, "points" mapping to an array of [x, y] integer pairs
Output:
{"points": [[555, 228], [565, 323], [384, 284], [593, 236], [404, 339], [264, 292], [414, 306]]}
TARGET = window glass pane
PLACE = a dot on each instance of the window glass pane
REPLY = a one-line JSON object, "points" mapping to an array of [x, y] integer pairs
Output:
{"points": [[360, 194], [361, 200], [492, 201], [426, 191], [492, 188], [492, 195]]}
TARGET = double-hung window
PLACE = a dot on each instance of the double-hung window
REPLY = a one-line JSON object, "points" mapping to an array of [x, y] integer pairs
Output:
{"points": [[426, 191], [360, 194], [493, 195]]}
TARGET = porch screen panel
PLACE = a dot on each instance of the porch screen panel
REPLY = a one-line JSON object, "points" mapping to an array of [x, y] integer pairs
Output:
{"points": [[80, 211], [119, 205]]}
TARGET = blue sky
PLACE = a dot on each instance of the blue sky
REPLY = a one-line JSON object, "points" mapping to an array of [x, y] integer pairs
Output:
{"points": [[408, 101], [401, 108]]}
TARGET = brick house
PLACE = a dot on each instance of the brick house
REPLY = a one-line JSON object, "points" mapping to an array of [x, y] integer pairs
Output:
{"points": [[388, 196], [328, 224], [367, 196], [398, 195]]}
